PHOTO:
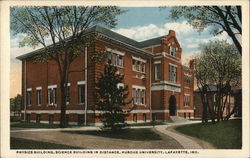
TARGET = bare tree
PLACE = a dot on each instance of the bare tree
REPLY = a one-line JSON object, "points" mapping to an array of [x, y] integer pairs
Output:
{"points": [[61, 32]]}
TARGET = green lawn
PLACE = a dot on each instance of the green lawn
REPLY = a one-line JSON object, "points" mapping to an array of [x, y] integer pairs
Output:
{"points": [[19, 143], [128, 134], [223, 135], [33, 125]]}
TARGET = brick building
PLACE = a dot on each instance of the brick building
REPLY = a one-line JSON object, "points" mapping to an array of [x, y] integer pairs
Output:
{"points": [[157, 81], [234, 100]]}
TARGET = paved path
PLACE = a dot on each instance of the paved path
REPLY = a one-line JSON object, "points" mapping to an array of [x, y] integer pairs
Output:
{"points": [[186, 142], [171, 139], [95, 142]]}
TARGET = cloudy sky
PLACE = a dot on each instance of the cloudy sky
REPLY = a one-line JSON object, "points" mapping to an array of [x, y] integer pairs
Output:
{"points": [[139, 24]]}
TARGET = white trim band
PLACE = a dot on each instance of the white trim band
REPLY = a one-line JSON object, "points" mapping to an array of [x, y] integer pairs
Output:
{"points": [[52, 86], [81, 82], [38, 88], [115, 51], [29, 89], [157, 62], [139, 59], [138, 87]]}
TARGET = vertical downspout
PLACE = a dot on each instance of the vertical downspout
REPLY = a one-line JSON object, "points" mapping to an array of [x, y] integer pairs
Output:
{"points": [[86, 83], [25, 88], [150, 103]]}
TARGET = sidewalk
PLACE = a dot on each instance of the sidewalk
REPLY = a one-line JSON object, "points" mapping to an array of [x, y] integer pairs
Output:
{"points": [[187, 143]]}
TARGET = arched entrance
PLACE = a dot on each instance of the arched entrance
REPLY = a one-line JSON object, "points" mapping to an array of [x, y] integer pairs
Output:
{"points": [[172, 105]]}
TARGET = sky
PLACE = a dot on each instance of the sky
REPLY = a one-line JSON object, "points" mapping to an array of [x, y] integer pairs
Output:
{"points": [[138, 23]]}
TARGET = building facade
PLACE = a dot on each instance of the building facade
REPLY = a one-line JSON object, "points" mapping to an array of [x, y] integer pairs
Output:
{"points": [[158, 83]]}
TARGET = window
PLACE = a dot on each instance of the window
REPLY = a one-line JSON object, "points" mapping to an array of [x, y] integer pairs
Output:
{"points": [[120, 62], [157, 72], [38, 118], [115, 59], [39, 96], [138, 95], [187, 79], [172, 73], [172, 51], [28, 117], [68, 95], [52, 96], [138, 65], [81, 94], [144, 117], [28, 97], [135, 117], [51, 119], [143, 96], [134, 95], [186, 100], [134, 65], [185, 115], [143, 67]]}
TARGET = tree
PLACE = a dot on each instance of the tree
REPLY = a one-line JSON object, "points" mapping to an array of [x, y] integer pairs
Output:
{"points": [[64, 27], [111, 98], [15, 104], [219, 64], [221, 18]]}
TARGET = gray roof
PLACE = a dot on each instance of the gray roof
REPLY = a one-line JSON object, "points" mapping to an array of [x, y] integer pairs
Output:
{"points": [[112, 35]]}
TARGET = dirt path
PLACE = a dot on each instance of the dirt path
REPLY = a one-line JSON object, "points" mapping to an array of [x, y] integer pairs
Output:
{"points": [[96, 142]]}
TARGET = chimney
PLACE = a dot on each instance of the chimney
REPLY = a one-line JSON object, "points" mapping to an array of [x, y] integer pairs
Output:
{"points": [[171, 32], [192, 64]]}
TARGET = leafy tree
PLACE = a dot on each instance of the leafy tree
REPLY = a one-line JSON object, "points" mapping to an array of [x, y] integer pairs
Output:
{"points": [[15, 104], [64, 27], [221, 18], [219, 64], [111, 98]]}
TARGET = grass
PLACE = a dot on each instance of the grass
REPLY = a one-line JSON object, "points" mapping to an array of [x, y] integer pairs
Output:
{"points": [[33, 125], [128, 134], [19, 143], [223, 135]]}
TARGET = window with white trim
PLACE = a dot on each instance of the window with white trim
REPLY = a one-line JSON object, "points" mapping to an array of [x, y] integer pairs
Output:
{"points": [[138, 95], [81, 93], [172, 51], [28, 96], [143, 96], [172, 73], [157, 72], [186, 100], [39, 96], [139, 65], [134, 96], [143, 67], [52, 95], [115, 59], [138, 101]]}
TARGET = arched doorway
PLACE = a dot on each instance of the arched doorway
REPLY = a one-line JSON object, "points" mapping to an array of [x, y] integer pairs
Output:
{"points": [[172, 105]]}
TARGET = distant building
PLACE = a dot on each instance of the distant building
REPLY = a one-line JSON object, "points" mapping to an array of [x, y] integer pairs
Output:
{"points": [[157, 81], [233, 100]]}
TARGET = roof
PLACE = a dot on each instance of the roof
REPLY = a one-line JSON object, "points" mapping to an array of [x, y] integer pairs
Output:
{"points": [[151, 42], [112, 35]]}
